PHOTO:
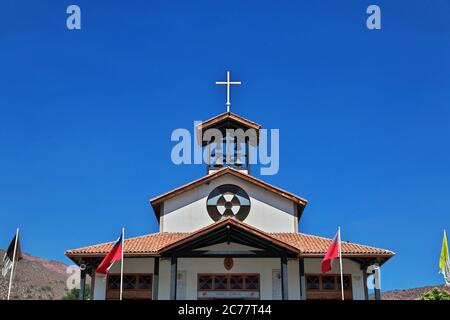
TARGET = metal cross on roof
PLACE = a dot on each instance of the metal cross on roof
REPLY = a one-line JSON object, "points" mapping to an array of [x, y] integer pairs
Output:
{"points": [[228, 83]]}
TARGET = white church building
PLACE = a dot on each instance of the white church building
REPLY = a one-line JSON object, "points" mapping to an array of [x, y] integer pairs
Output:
{"points": [[229, 235]]}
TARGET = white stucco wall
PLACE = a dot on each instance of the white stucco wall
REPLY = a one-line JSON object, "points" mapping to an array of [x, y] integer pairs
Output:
{"points": [[100, 287], [189, 268], [269, 212]]}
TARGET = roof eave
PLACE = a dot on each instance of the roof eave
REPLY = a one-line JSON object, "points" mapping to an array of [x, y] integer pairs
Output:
{"points": [[385, 256], [228, 115]]}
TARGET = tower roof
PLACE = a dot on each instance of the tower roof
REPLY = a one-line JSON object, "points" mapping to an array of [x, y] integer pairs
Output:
{"points": [[227, 120]]}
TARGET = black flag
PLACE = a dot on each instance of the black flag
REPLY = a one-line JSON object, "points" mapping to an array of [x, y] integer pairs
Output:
{"points": [[9, 255]]}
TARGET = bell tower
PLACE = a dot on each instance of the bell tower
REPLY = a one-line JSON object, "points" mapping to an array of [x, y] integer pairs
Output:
{"points": [[227, 138], [226, 141]]}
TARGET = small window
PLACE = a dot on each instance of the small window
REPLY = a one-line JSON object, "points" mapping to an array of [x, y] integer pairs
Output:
{"points": [[145, 282], [328, 283], [205, 283], [237, 282], [251, 282], [220, 282], [312, 283], [347, 283], [129, 282], [114, 282]]}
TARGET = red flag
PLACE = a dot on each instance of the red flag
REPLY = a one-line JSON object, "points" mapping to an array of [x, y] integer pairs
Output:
{"points": [[332, 253], [115, 254]]}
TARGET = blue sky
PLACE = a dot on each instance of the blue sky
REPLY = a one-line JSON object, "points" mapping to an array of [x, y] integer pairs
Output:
{"points": [[86, 116]]}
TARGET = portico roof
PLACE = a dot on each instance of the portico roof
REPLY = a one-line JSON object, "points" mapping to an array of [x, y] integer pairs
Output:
{"points": [[231, 230], [305, 245]]}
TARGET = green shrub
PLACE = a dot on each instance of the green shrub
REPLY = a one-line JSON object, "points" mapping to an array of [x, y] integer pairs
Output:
{"points": [[435, 294], [75, 293]]}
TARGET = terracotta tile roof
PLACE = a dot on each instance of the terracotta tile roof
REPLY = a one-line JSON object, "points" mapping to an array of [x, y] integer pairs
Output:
{"points": [[153, 244], [148, 244], [311, 245]]}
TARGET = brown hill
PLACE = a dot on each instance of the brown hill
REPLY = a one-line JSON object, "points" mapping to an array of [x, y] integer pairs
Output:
{"points": [[35, 279], [409, 294]]}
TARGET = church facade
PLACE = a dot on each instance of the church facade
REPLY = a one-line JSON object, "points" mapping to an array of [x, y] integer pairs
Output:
{"points": [[229, 235]]}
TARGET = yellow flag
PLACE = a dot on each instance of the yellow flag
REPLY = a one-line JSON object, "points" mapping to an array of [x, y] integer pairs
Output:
{"points": [[444, 260]]}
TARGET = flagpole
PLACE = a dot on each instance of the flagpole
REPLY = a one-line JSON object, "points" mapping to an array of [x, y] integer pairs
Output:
{"points": [[121, 264], [340, 263], [13, 263]]}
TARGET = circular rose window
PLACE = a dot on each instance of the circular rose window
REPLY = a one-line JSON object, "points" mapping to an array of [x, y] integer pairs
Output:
{"points": [[228, 201]]}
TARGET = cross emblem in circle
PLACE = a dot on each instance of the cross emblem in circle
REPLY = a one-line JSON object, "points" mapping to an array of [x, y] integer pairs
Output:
{"points": [[228, 204], [228, 201]]}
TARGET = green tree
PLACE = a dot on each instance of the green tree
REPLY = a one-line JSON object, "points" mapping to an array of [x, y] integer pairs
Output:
{"points": [[75, 293], [435, 294]]}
